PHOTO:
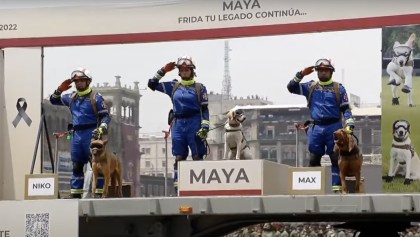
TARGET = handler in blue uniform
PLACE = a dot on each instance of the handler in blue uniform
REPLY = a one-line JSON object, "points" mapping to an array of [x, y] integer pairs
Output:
{"points": [[88, 118], [190, 110], [327, 101]]}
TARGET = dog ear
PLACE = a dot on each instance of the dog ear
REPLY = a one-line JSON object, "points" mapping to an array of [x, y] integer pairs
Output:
{"points": [[411, 40], [343, 136], [408, 126], [393, 125], [230, 115], [336, 149]]}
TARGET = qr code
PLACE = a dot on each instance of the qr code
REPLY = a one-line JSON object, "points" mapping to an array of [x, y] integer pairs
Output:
{"points": [[37, 225]]}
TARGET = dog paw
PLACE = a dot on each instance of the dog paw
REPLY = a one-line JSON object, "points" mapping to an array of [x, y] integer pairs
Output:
{"points": [[407, 181], [388, 179]]}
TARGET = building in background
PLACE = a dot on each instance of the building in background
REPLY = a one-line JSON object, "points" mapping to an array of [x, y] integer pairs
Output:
{"points": [[272, 135], [153, 151]]}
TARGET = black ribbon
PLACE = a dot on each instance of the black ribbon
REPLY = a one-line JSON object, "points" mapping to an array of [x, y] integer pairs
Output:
{"points": [[21, 113]]}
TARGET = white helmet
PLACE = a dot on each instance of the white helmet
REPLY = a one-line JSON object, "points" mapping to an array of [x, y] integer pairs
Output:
{"points": [[324, 63], [185, 61], [81, 73]]}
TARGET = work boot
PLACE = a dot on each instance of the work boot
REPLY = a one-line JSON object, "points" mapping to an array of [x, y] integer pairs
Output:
{"points": [[393, 82], [396, 101], [337, 189], [406, 89], [407, 181], [387, 178], [76, 196]]}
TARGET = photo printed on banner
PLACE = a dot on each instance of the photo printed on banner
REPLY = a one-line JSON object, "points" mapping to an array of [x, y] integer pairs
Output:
{"points": [[400, 127]]}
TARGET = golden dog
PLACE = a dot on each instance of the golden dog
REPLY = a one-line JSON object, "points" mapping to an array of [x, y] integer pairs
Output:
{"points": [[106, 163], [350, 159]]}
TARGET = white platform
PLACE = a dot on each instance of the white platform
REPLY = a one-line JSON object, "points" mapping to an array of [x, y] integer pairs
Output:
{"points": [[232, 177]]}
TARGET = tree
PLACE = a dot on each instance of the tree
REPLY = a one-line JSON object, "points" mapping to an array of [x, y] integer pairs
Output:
{"points": [[401, 34]]}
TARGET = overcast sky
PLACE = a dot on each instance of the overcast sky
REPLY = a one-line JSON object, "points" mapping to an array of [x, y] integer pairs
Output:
{"points": [[258, 66]]}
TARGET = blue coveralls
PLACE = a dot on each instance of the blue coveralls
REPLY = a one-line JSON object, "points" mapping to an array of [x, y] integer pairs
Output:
{"points": [[188, 117], [326, 115], [84, 122]]}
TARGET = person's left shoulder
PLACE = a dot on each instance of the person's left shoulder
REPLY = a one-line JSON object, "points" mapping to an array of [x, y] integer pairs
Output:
{"points": [[203, 91], [341, 86], [97, 94], [202, 86]]}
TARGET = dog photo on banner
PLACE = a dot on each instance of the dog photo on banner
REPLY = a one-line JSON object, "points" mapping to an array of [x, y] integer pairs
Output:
{"points": [[400, 79]]}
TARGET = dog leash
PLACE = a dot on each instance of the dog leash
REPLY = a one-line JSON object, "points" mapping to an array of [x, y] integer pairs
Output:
{"points": [[221, 125], [206, 144], [357, 139]]}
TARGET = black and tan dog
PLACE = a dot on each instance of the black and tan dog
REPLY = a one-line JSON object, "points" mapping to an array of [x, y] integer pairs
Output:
{"points": [[350, 159], [106, 163]]}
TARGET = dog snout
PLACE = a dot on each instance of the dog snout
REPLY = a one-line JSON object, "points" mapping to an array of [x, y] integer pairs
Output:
{"points": [[401, 63], [241, 118], [401, 133], [94, 151], [96, 146]]}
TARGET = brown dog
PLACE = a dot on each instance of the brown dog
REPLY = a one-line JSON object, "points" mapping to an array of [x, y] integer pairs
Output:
{"points": [[106, 163], [350, 159]]}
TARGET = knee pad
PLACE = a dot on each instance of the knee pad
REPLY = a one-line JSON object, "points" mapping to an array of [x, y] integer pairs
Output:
{"points": [[314, 160], [178, 159], [78, 168], [334, 159], [197, 157]]}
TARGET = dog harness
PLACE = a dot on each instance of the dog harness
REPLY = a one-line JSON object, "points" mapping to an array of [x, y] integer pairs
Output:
{"points": [[243, 138], [405, 147]]}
